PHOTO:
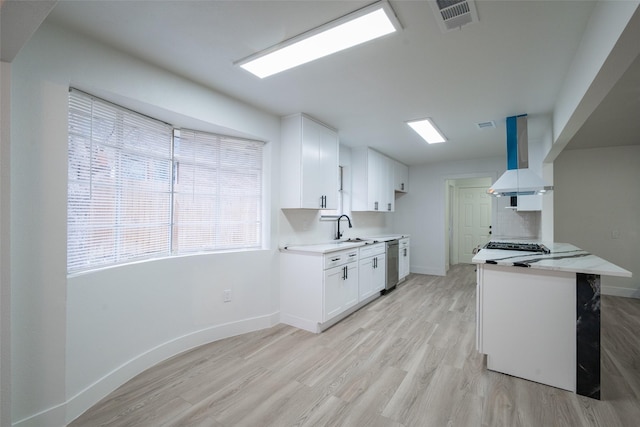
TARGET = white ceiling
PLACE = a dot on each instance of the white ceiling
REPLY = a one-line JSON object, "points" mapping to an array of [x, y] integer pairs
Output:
{"points": [[513, 61]]}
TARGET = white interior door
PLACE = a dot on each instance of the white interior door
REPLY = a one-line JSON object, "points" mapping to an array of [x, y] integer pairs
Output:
{"points": [[474, 221]]}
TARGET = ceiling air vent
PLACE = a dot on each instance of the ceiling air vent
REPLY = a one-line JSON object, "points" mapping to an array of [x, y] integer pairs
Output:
{"points": [[453, 14], [486, 125]]}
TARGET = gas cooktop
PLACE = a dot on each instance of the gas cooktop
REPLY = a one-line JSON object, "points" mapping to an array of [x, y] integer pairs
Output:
{"points": [[518, 246]]}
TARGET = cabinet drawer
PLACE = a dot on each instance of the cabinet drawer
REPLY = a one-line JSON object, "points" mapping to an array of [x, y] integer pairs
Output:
{"points": [[372, 250], [339, 258], [404, 243]]}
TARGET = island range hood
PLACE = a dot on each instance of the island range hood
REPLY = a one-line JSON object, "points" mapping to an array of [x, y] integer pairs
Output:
{"points": [[518, 180]]}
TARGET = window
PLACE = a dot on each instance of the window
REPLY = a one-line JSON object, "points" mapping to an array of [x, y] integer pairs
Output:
{"points": [[217, 193], [136, 192]]}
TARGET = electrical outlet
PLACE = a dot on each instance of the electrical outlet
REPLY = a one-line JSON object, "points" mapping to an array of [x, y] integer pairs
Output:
{"points": [[226, 295]]}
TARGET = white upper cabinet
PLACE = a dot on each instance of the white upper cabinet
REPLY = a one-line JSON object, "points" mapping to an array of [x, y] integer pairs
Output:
{"points": [[309, 168], [400, 177], [372, 180]]}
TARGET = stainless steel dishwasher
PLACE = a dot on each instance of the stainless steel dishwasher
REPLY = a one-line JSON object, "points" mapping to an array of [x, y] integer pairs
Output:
{"points": [[392, 265]]}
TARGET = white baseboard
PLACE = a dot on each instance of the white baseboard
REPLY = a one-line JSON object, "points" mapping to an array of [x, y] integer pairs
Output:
{"points": [[66, 412], [429, 271], [54, 416], [299, 322], [315, 327], [620, 292]]}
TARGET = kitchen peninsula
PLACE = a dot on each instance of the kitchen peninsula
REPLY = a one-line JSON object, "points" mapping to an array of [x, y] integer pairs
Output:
{"points": [[538, 314]]}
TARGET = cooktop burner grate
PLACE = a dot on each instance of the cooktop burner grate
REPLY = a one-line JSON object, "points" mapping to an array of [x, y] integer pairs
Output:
{"points": [[515, 246]]}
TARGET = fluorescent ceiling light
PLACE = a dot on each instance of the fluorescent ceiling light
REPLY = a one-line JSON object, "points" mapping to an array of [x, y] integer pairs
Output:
{"points": [[365, 24], [427, 130]]}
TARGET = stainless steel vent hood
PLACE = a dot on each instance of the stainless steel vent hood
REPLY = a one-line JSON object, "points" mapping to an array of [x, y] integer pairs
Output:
{"points": [[518, 180]]}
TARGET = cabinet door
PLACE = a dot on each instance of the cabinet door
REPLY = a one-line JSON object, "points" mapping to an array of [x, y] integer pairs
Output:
{"points": [[328, 165], [404, 262], [386, 185], [373, 182], [350, 289], [317, 155], [381, 194], [400, 177], [379, 273], [333, 292], [366, 278], [340, 289], [311, 172], [372, 275]]}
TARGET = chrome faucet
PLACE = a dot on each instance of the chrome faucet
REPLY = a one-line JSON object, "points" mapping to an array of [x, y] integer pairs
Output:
{"points": [[338, 234]]}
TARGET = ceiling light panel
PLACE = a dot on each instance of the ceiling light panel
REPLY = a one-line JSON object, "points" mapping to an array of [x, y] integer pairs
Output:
{"points": [[365, 24], [427, 130]]}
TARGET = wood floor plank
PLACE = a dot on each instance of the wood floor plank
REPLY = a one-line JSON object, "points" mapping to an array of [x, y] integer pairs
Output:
{"points": [[407, 359]]}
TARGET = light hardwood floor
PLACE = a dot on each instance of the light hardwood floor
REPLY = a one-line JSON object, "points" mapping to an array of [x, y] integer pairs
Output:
{"points": [[407, 359]]}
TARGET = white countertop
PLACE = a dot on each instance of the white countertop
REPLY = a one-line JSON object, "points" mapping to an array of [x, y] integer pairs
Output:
{"points": [[562, 257], [323, 248], [339, 245]]}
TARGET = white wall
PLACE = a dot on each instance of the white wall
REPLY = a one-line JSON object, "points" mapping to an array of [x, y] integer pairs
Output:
{"points": [[5, 252], [75, 340], [421, 212], [597, 205], [607, 48]]}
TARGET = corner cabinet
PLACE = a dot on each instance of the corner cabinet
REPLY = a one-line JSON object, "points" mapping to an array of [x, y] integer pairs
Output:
{"points": [[309, 168]]}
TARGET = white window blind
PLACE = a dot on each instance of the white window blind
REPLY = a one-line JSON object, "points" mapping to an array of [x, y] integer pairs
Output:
{"points": [[135, 191], [119, 185], [217, 192]]}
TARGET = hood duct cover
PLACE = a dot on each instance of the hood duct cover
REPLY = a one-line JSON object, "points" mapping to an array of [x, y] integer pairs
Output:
{"points": [[518, 180]]}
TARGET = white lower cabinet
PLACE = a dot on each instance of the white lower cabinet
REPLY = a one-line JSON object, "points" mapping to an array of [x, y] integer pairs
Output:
{"points": [[340, 289], [373, 270], [403, 259], [318, 290], [534, 341]]}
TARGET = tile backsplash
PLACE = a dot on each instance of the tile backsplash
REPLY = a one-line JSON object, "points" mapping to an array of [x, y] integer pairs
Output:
{"points": [[511, 224]]}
